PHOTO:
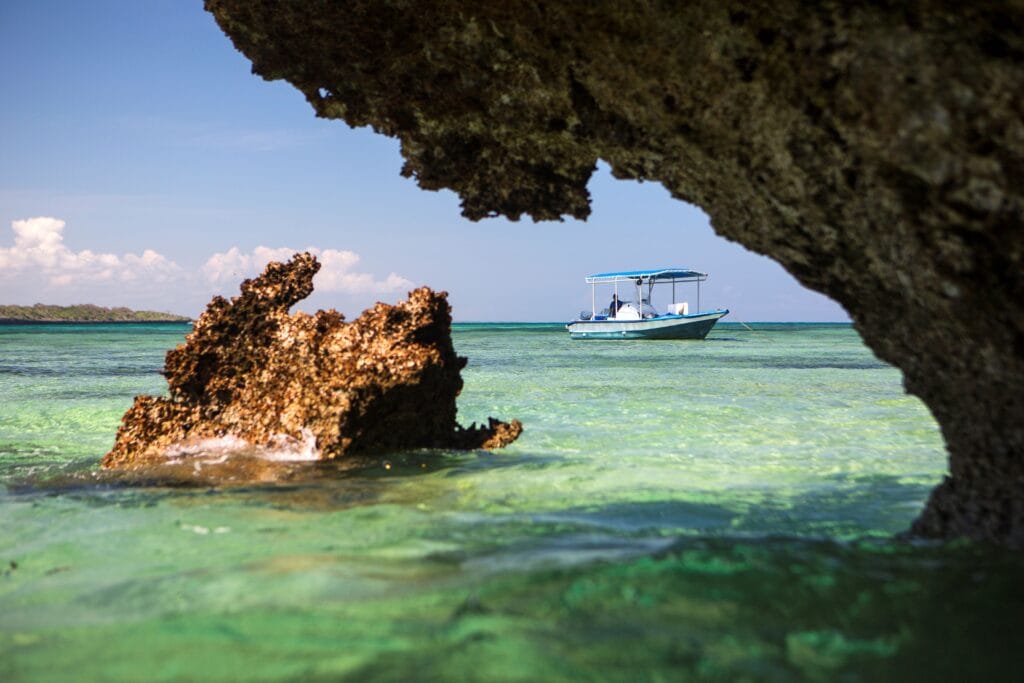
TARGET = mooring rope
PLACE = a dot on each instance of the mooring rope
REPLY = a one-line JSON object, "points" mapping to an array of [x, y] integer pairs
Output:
{"points": [[752, 330]]}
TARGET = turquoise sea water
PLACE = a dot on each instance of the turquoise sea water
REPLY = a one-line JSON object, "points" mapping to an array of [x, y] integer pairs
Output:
{"points": [[721, 510]]}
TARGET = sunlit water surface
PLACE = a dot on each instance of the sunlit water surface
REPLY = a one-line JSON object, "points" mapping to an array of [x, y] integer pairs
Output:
{"points": [[720, 510]]}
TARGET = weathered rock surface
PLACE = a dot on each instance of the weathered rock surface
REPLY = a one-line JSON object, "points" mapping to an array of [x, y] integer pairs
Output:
{"points": [[250, 372], [876, 150]]}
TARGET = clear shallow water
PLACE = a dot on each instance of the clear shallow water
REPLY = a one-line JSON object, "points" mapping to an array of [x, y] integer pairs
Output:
{"points": [[718, 510]]}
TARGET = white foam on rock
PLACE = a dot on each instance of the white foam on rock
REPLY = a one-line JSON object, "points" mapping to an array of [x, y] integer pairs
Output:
{"points": [[216, 450], [285, 448], [208, 449]]}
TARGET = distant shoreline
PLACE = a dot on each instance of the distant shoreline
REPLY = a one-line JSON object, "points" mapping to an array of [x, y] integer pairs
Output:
{"points": [[82, 314], [22, 321]]}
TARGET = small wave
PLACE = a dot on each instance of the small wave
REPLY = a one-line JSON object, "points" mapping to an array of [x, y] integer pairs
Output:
{"points": [[211, 448], [216, 450]]}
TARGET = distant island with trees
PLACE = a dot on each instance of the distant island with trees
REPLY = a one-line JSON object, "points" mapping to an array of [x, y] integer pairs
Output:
{"points": [[82, 313]]}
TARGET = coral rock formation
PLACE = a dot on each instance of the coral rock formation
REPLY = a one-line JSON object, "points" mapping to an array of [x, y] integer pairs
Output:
{"points": [[876, 150], [249, 371]]}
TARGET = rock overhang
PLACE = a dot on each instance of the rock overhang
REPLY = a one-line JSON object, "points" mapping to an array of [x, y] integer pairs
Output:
{"points": [[876, 151]]}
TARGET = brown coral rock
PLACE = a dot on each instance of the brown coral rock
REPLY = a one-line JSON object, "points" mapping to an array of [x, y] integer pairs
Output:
{"points": [[874, 149], [250, 371]]}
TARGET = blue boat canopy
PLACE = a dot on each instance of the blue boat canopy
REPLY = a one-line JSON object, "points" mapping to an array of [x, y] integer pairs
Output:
{"points": [[655, 274]]}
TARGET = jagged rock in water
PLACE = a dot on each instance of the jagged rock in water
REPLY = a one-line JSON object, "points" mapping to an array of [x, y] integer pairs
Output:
{"points": [[876, 150], [251, 373]]}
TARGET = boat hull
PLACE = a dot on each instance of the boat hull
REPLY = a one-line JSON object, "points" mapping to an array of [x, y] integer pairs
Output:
{"points": [[695, 326]]}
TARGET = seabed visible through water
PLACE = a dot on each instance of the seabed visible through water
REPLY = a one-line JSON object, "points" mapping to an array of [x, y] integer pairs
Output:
{"points": [[721, 510]]}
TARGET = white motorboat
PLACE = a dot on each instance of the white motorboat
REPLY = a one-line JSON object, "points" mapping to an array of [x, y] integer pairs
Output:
{"points": [[637, 318]]}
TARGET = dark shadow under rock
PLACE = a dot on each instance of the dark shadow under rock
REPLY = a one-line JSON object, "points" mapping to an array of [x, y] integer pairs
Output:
{"points": [[250, 375]]}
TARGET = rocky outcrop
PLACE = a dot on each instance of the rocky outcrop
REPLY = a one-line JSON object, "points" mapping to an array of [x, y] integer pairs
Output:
{"points": [[876, 150], [250, 374]]}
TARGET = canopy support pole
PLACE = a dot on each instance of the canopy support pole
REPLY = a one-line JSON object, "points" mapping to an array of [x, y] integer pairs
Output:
{"points": [[593, 300]]}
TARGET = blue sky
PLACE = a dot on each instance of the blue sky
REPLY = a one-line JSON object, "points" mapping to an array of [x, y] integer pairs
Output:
{"points": [[142, 164]]}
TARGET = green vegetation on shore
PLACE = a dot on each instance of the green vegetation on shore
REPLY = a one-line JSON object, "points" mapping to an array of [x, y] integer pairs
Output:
{"points": [[84, 313]]}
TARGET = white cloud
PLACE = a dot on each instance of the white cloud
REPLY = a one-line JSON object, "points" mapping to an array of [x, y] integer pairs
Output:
{"points": [[336, 271], [39, 250], [40, 264]]}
